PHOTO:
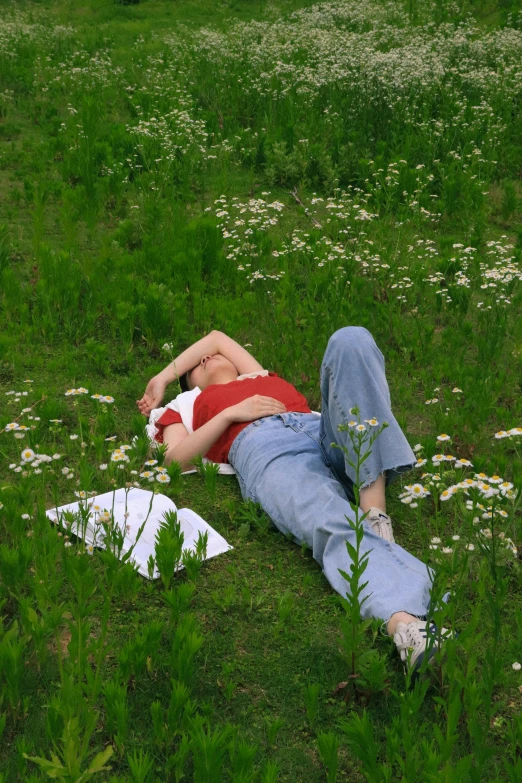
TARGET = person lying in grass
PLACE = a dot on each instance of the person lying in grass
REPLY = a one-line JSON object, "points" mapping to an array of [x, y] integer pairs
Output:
{"points": [[284, 460]]}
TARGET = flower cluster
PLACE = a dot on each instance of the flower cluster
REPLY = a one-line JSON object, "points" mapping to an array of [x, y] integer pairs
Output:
{"points": [[157, 473], [412, 493], [103, 398], [32, 459], [437, 544], [512, 433]]}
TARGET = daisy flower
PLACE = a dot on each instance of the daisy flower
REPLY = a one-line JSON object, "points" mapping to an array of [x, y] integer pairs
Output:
{"points": [[163, 478], [372, 422], [417, 490], [12, 426], [151, 462], [506, 485], [360, 428], [107, 399], [147, 474], [119, 456], [28, 455], [446, 494], [456, 390], [443, 438]]}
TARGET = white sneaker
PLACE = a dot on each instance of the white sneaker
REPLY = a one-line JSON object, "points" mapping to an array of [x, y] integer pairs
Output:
{"points": [[381, 524], [418, 640]]}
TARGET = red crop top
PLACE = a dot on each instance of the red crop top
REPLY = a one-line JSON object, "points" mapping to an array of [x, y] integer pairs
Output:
{"points": [[217, 397]]}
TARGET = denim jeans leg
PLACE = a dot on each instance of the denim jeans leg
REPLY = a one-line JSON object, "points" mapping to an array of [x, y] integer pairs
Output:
{"points": [[352, 374], [279, 463]]}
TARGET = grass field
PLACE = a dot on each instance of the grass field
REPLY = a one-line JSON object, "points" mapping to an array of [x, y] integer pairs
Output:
{"points": [[274, 170]]}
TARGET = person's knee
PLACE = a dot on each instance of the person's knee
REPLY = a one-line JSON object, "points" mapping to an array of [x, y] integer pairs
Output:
{"points": [[352, 338]]}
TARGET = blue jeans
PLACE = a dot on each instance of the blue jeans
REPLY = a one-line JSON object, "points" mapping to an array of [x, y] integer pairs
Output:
{"points": [[287, 464]]}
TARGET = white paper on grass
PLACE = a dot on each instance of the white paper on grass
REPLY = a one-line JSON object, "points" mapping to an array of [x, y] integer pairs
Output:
{"points": [[136, 503]]}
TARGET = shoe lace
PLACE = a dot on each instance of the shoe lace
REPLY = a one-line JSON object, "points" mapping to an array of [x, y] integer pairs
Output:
{"points": [[414, 639]]}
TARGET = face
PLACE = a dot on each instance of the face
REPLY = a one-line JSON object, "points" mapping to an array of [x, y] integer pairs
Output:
{"points": [[212, 369]]}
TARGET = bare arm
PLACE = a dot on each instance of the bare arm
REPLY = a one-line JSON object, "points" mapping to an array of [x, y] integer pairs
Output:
{"points": [[215, 342], [201, 441]]}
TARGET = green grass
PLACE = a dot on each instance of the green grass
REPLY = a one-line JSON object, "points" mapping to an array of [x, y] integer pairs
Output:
{"points": [[91, 288]]}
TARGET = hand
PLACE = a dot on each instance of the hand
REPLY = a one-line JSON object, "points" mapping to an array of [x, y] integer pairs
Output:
{"points": [[253, 408], [153, 396]]}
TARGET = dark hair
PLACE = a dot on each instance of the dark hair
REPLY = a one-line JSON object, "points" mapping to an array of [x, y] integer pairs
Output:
{"points": [[183, 382]]}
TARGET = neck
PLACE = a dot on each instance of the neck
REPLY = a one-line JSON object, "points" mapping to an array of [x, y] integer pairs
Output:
{"points": [[222, 376]]}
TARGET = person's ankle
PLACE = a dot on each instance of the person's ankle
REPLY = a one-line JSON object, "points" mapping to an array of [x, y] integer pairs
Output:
{"points": [[399, 617]]}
